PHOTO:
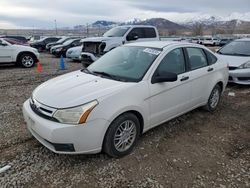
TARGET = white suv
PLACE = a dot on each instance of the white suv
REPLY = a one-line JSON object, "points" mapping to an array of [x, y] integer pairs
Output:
{"points": [[95, 47], [21, 55], [126, 92]]}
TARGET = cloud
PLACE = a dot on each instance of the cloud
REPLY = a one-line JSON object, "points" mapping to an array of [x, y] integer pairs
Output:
{"points": [[42, 13]]}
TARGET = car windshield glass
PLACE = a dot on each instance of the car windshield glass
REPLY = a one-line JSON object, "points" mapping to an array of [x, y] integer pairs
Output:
{"points": [[116, 32], [61, 40], [237, 48], [68, 42], [127, 63]]}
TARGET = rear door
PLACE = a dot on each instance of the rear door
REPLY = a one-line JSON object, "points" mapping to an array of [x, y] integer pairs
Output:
{"points": [[5, 52], [170, 99], [200, 74]]}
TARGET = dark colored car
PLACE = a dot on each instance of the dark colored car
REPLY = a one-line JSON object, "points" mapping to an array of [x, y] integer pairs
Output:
{"points": [[59, 42], [16, 41], [62, 49], [225, 41], [20, 38], [40, 45]]}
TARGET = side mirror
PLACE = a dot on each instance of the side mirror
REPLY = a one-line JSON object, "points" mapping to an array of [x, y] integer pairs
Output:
{"points": [[132, 36], [164, 77]]}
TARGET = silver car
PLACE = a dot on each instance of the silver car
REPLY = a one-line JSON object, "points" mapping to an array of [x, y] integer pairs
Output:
{"points": [[237, 54]]}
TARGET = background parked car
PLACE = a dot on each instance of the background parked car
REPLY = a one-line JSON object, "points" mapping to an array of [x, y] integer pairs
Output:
{"points": [[19, 54], [20, 38], [225, 41], [95, 47], [60, 50], [209, 41], [74, 53], [59, 42], [16, 41], [237, 54], [41, 44]]}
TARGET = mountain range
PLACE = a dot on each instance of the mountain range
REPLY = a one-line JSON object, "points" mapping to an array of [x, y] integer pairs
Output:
{"points": [[208, 23]]}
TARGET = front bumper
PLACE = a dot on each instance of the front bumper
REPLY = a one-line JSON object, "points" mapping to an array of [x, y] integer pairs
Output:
{"points": [[63, 138], [74, 56], [240, 76]]}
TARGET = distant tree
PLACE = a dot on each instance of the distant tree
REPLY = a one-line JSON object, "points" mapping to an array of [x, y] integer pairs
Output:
{"points": [[198, 29], [172, 32]]}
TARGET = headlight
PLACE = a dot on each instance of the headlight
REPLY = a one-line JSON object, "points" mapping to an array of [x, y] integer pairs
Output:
{"points": [[76, 115], [245, 65]]}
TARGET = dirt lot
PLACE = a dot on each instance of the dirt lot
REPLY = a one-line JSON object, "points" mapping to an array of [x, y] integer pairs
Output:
{"points": [[198, 149]]}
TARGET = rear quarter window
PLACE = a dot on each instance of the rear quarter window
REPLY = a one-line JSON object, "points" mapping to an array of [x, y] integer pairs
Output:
{"points": [[211, 58]]}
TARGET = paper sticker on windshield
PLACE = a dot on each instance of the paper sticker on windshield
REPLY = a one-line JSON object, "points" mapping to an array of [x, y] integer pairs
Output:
{"points": [[152, 51]]}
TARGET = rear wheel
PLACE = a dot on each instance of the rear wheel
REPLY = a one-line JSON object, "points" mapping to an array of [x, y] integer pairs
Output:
{"points": [[122, 135], [214, 99], [26, 60]]}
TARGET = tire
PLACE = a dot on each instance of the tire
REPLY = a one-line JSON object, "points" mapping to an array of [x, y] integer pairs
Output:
{"points": [[214, 99], [118, 145], [27, 60]]}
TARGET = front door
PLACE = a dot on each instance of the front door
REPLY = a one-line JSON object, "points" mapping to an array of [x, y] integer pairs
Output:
{"points": [[5, 52], [170, 99]]}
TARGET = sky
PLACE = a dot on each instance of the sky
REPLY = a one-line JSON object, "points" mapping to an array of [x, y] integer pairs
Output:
{"points": [[68, 13]]}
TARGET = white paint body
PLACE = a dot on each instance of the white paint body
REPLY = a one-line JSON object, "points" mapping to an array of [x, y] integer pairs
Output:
{"points": [[9, 53], [157, 103]]}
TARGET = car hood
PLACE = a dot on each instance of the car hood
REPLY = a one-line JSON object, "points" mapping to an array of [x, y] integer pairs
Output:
{"points": [[76, 88], [25, 48], [99, 39], [234, 61]]}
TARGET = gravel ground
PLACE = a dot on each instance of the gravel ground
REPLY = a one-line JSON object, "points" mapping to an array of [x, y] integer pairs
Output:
{"points": [[198, 149]]}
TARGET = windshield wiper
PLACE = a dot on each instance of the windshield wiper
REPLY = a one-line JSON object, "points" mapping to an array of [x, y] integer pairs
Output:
{"points": [[86, 70], [108, 75]]}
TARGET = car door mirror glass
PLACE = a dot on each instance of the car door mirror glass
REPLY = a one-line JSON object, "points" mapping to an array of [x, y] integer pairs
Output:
{"points": [[164, 77]]}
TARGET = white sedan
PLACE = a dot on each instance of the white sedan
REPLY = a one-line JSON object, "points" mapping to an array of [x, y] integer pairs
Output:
{"points": [[131, 89], [237, 55]]}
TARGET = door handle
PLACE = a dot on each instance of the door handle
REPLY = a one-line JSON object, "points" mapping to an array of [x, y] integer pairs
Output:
{"points": [[184, 78], [210, 69]]}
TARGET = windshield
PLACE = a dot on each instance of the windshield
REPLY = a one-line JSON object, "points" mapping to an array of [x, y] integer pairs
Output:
{"points": [[237, 48], [68, 42], [116, 32], [127, 63], [61, 40]]}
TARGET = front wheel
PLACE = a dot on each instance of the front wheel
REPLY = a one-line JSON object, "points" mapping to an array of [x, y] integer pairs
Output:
{"points": [[122, 135], [214, 99], [26, 60]]}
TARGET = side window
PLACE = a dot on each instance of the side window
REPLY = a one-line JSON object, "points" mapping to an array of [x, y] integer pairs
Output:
{"points": [[149, 33], [197, 58], [137, 31], [212, 59], [173, 62]]}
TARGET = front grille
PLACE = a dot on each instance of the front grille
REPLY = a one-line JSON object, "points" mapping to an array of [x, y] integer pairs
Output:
{"points": [[96, 48], [232, 68], [42, 110], [244, 78]]}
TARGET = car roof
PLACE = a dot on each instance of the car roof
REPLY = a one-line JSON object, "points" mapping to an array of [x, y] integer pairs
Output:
{"points": [[162, 44], [147, 26], [243, 39]]}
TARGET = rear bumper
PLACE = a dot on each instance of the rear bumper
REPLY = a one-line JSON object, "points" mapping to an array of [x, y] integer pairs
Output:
{"points": [[240, 76]]}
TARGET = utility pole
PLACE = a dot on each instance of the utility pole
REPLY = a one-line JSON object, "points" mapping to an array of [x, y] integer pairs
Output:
{"points": [[56, 26], [87, 30]]}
